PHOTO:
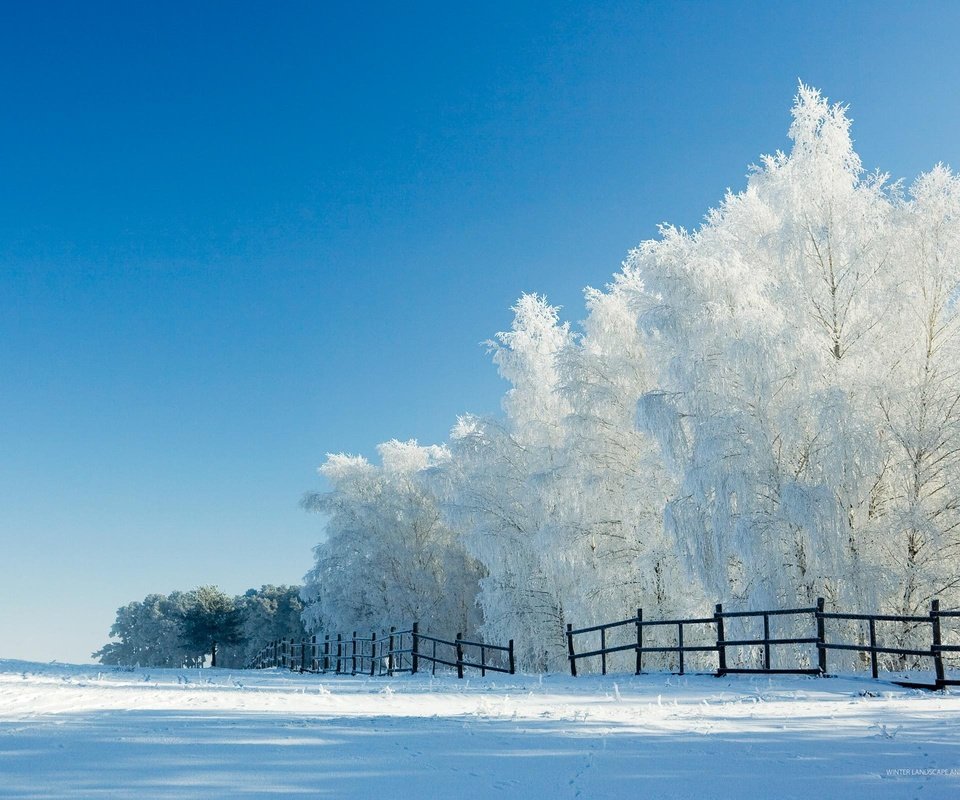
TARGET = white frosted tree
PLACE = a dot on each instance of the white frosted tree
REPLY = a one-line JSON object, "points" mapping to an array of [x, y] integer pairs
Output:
{"points": [[388, 557], [920, 400], [502, 490], [616, 486]]}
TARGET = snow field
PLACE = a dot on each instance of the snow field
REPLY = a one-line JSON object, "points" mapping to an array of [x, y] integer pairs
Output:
{"points": [[78, 732]]}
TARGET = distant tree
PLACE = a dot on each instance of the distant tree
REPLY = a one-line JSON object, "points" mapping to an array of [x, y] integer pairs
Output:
{"points": [[148, 634], [269, 613], [211, 619], [153, 632]]}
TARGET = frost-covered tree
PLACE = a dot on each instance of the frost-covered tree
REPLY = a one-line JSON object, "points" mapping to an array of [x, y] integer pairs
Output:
{"points": [[389, 556], [562, 499], [616, 485], [210, 619], [269, 613], [148, 634], [805, 390], [151, 632], [758, 324], [503, 485], [920, 398]]}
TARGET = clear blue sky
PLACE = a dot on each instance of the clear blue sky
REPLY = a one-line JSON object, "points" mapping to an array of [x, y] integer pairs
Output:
{"points": [[235, 238]]}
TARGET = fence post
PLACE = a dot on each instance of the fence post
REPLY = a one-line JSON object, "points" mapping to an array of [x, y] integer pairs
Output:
{"points": [[326, 652], [937, 641], [283, 653], [303, 656], [603, 651], [680, 644], [570, 654], [390, 653], [873, 648], [721, 647], [766, 642], [339, 651], [459, 656], [373, 651], [353, 655], [821, 638], [639, 640], [314, 662], [433, 663], [483, 662], [510, 655], [414, 660]]}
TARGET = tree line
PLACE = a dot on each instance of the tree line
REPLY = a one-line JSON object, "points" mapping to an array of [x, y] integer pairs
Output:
{"points": [[183, 628], [762, 411]]}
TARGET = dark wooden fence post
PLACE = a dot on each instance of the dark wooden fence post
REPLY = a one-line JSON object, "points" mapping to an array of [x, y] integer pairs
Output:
{"points": [[937, 641], [373, 651], [766, 642], [353, 655], [873, 648], [821, 638], [459, 655], [721, 647], [510, 656], [326, 652], [390, 653], [680, 644], [639, 641], [483, 662], [339, 651], [603, 651], [570, 654], [314, 664], [414, 659], [283, 653], [303, 656]]}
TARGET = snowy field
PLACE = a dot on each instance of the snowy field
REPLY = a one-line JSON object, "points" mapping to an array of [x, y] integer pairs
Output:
{"points": [[89, 732]]}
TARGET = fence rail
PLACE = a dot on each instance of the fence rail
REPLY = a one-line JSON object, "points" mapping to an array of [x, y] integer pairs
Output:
{"points": [[817, 641], [390, 653]]}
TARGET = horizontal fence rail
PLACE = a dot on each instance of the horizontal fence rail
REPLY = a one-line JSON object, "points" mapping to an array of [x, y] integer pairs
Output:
{"points": [[391, 653], [809, 652]]}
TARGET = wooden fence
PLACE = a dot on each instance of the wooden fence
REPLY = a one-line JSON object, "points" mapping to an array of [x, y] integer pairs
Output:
{"points": [[392, 653], [806, 654]]}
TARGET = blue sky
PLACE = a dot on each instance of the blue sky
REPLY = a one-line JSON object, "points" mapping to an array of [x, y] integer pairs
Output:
{"points": [[235, 238]]}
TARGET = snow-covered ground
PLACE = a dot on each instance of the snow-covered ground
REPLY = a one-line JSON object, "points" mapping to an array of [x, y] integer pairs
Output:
{"points": [[89, 732]]}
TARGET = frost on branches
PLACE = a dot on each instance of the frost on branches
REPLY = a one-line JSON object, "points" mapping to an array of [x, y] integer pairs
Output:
{"points": [[761, 411]]}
